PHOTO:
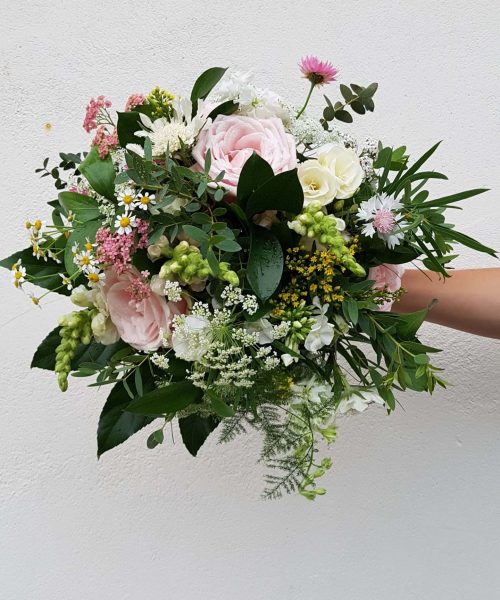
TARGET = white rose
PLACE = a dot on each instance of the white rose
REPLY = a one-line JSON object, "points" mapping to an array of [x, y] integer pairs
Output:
{"points": [[344, 164], [319, 183], [104, 330]]}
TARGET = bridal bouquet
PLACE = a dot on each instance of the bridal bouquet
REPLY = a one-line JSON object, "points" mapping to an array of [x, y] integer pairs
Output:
{"points": [[232, 262]]}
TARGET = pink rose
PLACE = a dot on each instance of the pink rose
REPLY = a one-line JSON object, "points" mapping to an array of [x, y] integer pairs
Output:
{"points": [[139, 315], [232, 140], [386, 277]]}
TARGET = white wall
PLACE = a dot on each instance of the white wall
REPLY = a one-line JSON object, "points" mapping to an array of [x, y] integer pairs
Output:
{"points": [[412, 509]]}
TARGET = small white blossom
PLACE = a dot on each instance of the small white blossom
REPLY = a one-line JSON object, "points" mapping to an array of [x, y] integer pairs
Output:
{"points": [[173, 291], [160, 360], [125, 223]]}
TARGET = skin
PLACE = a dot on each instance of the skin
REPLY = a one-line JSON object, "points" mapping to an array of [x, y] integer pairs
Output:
{"points": [[469, 300]]}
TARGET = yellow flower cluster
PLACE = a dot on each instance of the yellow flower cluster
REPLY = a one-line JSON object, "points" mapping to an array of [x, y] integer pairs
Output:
{"points": [[311, 274], [161, 101]]}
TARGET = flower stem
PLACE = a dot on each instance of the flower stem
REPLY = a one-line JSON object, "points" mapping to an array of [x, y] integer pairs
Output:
{"points": [[313, 85]]}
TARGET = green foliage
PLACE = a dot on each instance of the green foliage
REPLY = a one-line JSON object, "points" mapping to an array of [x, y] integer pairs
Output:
{"points": [[100, 173], [204, 85], [265, 262], [166, 400], [83, 207], [195, 429], [281, 192], [255, 172], [127, 125], [356, 97]]}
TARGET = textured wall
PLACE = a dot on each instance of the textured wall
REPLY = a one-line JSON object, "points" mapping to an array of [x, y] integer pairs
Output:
{"points": [[412, 509]]}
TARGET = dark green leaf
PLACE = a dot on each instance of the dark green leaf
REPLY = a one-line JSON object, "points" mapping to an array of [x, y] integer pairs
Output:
{"points": [[166, 400], [219, 406], [116, 424], [255, 172], [84, 207], [128, 124], [47, 272], [195, 430], [196, 233], [281, 192], [204, 85], [344, 116], [155, 439], [445, 200], [100, 173], [265, 263], [226, 108]]}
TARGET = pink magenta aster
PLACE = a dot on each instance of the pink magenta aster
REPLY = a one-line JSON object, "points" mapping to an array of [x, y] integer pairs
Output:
{"points": [[319, 72], [94, 107], [134, 100]]}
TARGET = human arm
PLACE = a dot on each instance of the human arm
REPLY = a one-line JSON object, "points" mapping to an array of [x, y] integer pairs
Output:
{"points": [[469, 300]]}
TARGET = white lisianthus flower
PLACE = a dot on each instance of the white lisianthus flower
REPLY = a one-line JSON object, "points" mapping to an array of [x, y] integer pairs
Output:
{"points": [[191, 337], [256, 102], [358, 401], [322, 331], [345, 165], [319, 183]]}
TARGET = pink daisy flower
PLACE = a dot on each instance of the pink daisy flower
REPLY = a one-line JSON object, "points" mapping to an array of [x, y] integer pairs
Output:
{"points": [[319, 72]]}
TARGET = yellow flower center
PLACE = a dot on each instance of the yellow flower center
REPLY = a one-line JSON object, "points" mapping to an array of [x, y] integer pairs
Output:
{"points": [[144, 200], [28, 225], [35, 300], [127, 199], [88, 246], [37, 224], [18, 275], [124, 222], [93, 277], [85, 260]]}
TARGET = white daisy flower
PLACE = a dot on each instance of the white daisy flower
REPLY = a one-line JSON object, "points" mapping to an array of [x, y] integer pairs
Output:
{"points": [[94, 276], [66, 281], [127, 197], [125, 223], [18, 274], [89, 246], [85, 260], [38, 252], [380, 214], [145, 200]]}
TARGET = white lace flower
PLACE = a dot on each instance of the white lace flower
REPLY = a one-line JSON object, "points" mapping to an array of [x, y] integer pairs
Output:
{"points": [[380, 214], [191, 337]]}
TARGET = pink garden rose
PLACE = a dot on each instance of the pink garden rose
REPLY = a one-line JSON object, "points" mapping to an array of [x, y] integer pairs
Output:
{"points": [[389, 277], [139, 315], [232, 140]]}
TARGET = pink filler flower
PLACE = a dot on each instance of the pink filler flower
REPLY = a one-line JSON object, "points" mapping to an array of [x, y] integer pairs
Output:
{"points": [[319, 72], [94, 107]]}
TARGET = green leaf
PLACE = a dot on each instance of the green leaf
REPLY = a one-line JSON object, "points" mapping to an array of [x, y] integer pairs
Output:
{"points": [[228, 245], [98, 354], [265, 262], [84, 207], [155, 439], [346, 92], [166, 400], [196, 233], [281, 192], [344, 116], [100, 173], [47, 272], [351, 310], [128, 123], [195, 430], [421, 359], [404, 175], [116, 425], [79, 236], [204, 85], [226, 108], [255, 172], [219, 406], [445, 200], [463, 239]]}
